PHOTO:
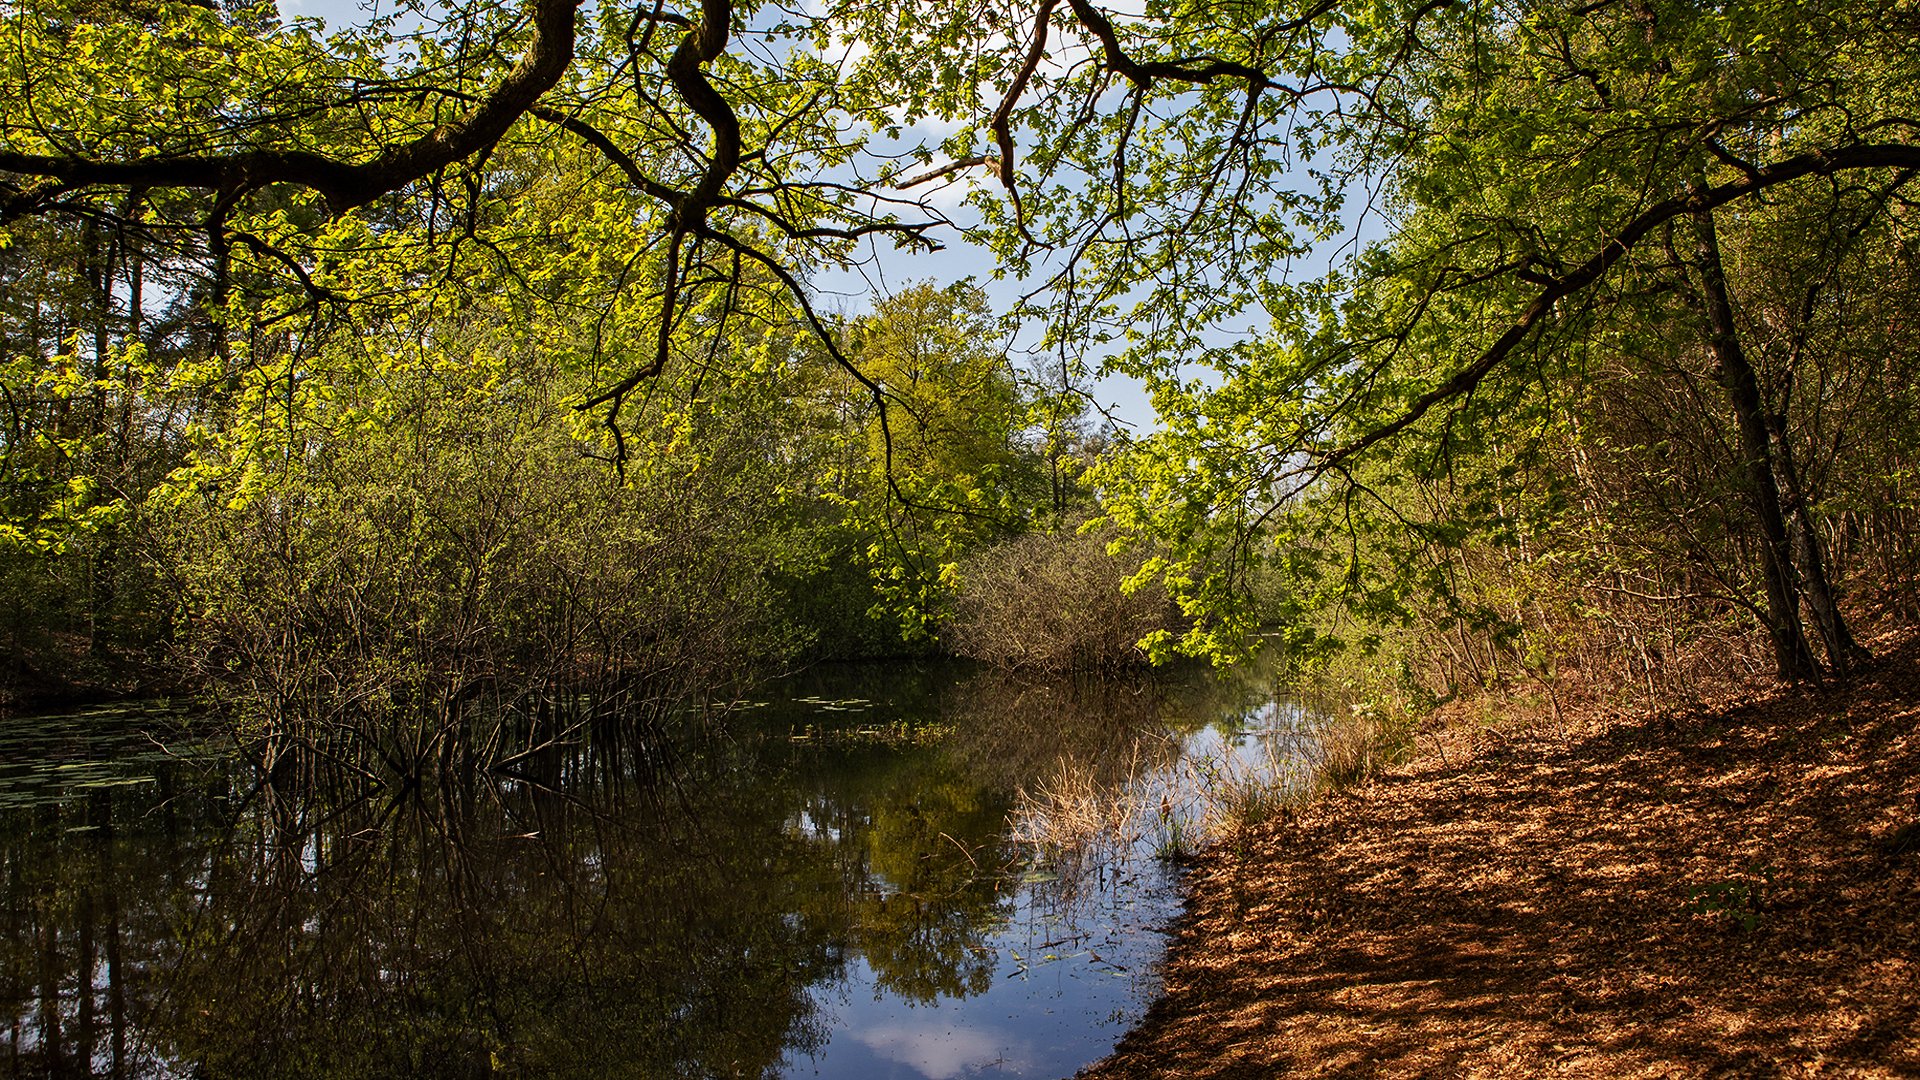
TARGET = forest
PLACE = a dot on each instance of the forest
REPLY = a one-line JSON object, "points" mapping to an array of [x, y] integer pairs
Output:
{"points": [[420, 389], [470, 352]]}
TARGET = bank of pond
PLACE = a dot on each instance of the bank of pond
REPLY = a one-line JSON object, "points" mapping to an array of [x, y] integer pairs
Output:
{"points": [[878, 871]]}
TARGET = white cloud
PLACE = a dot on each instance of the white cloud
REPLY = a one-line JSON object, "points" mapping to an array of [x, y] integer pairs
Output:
{"points": [[936, 1051]]}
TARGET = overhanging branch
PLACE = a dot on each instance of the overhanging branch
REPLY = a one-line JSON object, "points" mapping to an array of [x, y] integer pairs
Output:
{"points": [[1812, 163], [343, 184]]}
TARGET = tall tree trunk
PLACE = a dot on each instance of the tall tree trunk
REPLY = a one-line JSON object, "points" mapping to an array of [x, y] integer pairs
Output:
{"points": [[1793, 657], [1844, 654], [99, 256]]}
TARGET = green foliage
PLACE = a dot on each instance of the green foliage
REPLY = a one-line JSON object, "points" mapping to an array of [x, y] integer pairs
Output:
{"points": [[637, 201], [49, 498], [1737, 901], [430, 446], [431, 533], [937, 462], [1456, 434]]}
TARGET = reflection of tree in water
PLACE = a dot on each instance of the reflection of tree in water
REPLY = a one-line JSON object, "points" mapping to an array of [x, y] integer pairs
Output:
{"points": [[920, 851], [912, 780], [481, 929], [1010, 732], [519, 931], [596, 914], [58, 929]]}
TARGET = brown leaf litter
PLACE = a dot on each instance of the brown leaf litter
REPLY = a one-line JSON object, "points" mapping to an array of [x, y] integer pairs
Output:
{"points": [[1734, 891]]}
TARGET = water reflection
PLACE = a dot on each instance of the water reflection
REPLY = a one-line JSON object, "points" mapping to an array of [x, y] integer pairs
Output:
{"points": [[826, 884]]}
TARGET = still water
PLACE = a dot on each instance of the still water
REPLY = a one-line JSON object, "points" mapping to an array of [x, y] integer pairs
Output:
{"points": [[906, 872]]}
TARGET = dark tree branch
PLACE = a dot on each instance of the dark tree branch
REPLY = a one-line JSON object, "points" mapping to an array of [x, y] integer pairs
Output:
{"points": [[1761, 178], [344, 185], [1199, 70], [1002, 123], [703, 44], [260, 247], [600, 141]]}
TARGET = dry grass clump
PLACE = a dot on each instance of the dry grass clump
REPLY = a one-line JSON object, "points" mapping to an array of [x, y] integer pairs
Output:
{"points": [[1053, 602], [1318, 753], [1180, 803], [1348, 748], [1078, 819]]}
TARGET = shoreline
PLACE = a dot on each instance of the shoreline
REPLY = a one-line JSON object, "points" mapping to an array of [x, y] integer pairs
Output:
{"points": [[1732, 890]]}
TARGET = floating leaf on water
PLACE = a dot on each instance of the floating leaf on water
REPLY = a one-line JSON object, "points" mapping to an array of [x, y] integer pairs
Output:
{"points": [[123, 781]]}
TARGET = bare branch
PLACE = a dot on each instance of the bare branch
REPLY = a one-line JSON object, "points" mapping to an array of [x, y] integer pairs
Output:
{"points": [[947, 170]]}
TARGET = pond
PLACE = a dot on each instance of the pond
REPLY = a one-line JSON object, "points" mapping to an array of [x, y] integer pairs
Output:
{"points": [[915, 872]]}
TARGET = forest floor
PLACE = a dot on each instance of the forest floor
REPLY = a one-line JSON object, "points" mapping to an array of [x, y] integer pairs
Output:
{"points": [[1732, 889]]}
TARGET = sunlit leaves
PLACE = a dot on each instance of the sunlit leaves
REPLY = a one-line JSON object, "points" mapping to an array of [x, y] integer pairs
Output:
{"points": [[1514, 144], [50, 495]]}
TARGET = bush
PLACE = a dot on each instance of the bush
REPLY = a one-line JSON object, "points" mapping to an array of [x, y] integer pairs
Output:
{"points": [[1053, 602]]}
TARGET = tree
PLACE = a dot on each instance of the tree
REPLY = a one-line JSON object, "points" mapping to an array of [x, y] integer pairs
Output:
{"points": [[1549, 164], [943, 467]]}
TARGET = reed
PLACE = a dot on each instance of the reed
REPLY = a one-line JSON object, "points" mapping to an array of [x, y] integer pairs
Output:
{"points": [[1170, 805]]}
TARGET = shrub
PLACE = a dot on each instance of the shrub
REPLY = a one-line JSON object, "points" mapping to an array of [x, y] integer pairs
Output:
{"points": [[1053, 602], [452, 574]]}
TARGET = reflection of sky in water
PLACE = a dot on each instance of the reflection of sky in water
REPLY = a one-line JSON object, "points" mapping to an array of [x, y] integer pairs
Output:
{"points": [[1065, 987], [1077, 962]]}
